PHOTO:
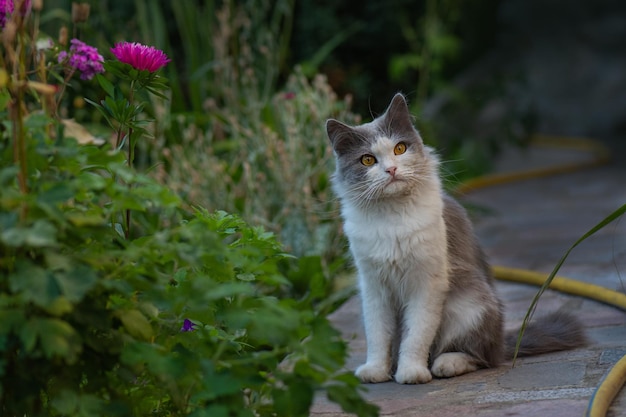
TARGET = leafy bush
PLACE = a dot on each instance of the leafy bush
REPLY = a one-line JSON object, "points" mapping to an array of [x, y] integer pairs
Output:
{"points": [[269, 161], [90, 322], [192, 313]]}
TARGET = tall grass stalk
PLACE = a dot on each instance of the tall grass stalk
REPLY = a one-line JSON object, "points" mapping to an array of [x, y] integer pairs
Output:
{"points": [[221, 44], [531, 310]]}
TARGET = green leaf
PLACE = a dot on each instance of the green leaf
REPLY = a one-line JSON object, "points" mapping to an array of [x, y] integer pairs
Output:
{"points": [[349, 400], [102, 111], [246, 277], [128, 202], [219, 384], [11, 319], [56, 338], [80, 219], [58, 193], [8, 220], [41, 234], [91, 180], [106, 85], [7, 174], [59, 306], [229, 290], [76, 282], [295, 400], [215, 410], [66, 402], [136, 324], [71, 404], [5, 97], [35, 283]]}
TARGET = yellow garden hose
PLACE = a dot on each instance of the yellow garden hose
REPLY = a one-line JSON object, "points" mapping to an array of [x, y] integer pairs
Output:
{"points": [[562, 284], [607, 390], [614, 380], [600, 155]]}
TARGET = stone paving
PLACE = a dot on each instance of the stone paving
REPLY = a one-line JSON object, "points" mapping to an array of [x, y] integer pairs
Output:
{"points": [[529, 225]]}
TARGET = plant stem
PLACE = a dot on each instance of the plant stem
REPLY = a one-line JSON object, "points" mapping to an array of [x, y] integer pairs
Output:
{"points": [[131, 153], [17, 115], [19, 145], [63, 87]]}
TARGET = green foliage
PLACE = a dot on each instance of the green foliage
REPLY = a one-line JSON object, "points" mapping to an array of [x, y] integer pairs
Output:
{"points": [[224, 141], [194, 313], [268, 160], [221, 50], [90, 322]]}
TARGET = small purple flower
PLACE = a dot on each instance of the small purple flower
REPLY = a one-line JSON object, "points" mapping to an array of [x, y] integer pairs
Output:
{"points": [[6, 8], [140, 57], [188, 326], [83, 58]]}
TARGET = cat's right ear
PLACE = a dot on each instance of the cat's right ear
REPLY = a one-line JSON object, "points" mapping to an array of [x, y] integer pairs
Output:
{"points": [[342, 137]]}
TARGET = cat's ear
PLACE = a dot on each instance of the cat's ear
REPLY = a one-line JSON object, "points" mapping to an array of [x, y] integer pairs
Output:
{"points": [[342, 137], [398, 117]]}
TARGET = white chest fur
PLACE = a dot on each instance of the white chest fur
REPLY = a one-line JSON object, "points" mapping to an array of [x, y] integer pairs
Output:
{"points": [[406, 231]]}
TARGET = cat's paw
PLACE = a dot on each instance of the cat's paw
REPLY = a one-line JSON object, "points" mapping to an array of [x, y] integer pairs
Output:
{"points": [[373, 372], [453, 364], [413, 374]]}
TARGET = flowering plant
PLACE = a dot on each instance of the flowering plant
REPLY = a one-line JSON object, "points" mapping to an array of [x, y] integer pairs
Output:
{"points": [[6, 8], [90, 316], [140, 57], [84, 58], [137, 64]]}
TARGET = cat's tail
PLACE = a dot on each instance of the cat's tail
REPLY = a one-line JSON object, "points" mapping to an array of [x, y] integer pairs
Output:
{"points": [[550, 333]]}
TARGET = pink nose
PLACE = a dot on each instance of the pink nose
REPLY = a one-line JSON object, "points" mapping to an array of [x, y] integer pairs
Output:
{"points": [[391, 171]]}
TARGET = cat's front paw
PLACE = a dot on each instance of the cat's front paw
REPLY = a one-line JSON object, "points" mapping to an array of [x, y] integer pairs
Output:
{"points": [[373, 373], [413, 374], [452, 364]]}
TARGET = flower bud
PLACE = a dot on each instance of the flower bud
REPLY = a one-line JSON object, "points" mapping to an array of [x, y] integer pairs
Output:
{"points": [[8, 33], [80, 12], [63, 36]]}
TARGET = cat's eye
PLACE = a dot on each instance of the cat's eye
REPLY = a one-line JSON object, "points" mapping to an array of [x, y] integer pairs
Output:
{"points": [[400, 148], [368, 160]]}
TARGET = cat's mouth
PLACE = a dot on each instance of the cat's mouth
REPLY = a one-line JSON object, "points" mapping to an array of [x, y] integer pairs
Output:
{"points": [[395, 184], [394, 179]]}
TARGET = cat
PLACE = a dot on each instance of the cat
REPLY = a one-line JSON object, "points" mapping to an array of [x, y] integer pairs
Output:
{"points": [[428, 297]]}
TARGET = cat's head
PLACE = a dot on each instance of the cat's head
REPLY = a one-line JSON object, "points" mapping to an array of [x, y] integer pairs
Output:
{"points": [[382, 159]]}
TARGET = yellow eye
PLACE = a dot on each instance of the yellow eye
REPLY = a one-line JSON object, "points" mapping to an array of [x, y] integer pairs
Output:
{"points": [[368, 160], [400, 148]]}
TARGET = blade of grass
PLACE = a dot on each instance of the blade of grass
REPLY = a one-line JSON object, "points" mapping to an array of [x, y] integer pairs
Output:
{"points": [[531, 310]]}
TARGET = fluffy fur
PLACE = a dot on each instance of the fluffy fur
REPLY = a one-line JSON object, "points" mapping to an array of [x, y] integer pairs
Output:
{"points": [[429, 305]]}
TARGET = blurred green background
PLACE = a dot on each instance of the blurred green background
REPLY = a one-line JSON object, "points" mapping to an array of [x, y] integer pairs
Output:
{"points": [[253, 81]]}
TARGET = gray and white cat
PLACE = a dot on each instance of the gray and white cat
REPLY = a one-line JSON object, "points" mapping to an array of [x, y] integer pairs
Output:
{"points": [[429, 304]]}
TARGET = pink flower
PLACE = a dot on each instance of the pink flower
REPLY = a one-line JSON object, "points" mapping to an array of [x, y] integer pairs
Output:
{"points": [[140, 57], [6, 8], [84, 58]]}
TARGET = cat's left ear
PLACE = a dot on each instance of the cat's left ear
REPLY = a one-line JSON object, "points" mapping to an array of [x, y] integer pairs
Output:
{"points": [[398, 117], [342, 136]]}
